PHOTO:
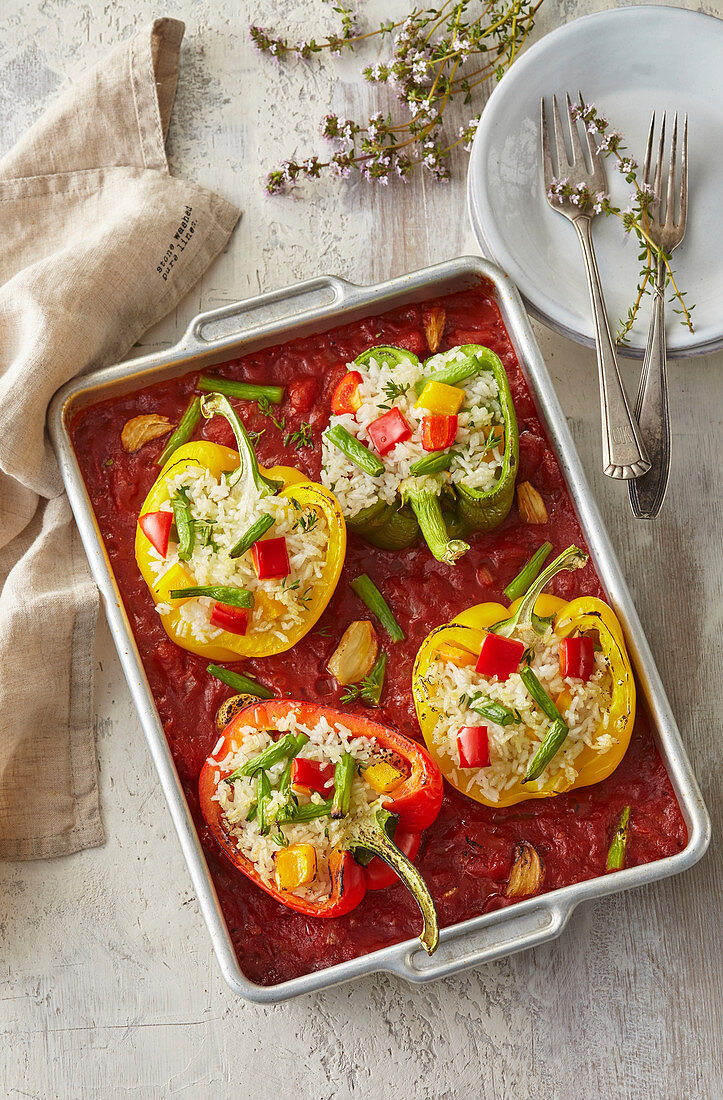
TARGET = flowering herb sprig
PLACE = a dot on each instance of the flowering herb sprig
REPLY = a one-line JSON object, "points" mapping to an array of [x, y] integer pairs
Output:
{"points": [[437, 55], [635, 217]]}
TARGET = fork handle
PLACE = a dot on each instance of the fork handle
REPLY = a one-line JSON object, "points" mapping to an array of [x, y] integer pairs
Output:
{"points": [[652, 411], [624, 455]]}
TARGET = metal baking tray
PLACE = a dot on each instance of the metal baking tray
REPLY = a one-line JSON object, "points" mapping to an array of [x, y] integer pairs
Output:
{"points": [[316, 306]]}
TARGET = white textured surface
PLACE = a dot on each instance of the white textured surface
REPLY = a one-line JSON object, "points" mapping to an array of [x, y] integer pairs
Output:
{"points": [[108, 986]]}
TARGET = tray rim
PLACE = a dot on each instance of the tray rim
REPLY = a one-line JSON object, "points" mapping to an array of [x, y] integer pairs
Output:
{"points": [[539, 919]]}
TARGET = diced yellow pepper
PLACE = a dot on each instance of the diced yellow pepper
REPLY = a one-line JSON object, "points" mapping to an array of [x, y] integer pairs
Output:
{"points": [[563, 701], [295, 866], [175, 577], [270, 608], [383, 777], [440, 399], [462, 658]]}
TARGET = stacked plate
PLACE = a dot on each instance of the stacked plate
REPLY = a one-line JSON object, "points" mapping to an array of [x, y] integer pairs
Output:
{"points": [[628, 62]]}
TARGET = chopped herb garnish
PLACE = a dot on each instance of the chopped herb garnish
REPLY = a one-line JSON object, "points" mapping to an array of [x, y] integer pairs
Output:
{"points": [[369, 690], [392, 390], [306, 519], [305, 598], [109, 462], [265, 409], [300, 438]]}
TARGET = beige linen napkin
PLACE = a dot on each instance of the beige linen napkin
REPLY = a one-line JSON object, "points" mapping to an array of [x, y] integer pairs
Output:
{"points": [[89, 212]]}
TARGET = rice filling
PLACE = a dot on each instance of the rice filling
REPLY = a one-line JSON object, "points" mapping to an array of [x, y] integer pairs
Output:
{"points": [[279, 604], [477, 453]]}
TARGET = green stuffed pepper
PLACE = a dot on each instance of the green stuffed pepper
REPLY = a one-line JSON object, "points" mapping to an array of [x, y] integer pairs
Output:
{"points": [[427, 447]]}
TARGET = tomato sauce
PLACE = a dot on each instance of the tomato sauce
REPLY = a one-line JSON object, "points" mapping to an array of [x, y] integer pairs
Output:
{"points": [[467, 853]]}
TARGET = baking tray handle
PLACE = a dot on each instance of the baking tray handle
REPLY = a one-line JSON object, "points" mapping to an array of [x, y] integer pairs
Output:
{"points": [[266, 311], [463, 947]]}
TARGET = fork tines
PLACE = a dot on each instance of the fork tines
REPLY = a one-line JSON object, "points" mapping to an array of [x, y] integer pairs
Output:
{"points": [[586, 164], [659, 217]]}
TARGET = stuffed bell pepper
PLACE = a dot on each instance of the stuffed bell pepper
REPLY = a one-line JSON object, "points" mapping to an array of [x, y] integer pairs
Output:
{"points": [[422, 446], [240, 561], [530, 700], [316, 807]]}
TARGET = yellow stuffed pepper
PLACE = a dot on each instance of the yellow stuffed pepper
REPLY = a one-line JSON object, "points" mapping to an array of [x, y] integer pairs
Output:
{"points": [[527, 701], [240, 561]]}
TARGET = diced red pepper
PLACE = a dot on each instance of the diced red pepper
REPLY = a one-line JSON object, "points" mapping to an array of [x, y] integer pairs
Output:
{"points": [[271, 558], [499, 656], [388, 430], [310, 775], [233, 619], [438, 432], [473, 747], [577, 658], [156, 526], [346, 397]]}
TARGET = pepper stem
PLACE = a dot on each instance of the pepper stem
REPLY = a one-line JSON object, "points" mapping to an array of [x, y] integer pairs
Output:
{"points": [[371, 836], [572, 558], [426, 507], [215, 404]]}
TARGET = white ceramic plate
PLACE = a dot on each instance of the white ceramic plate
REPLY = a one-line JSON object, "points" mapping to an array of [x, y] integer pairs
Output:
{"points": [[628, 62]]}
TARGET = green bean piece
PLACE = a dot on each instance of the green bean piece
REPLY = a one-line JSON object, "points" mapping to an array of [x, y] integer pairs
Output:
{"points": [[285, 781], [355, 451], [619, 843], [369, 594], [539, 694], [255, 531], [250, 816], [222, 593], [270, 756], [308, 812], [204, 533], [244, 391], [373, 685], [496, 712], [475, 361], [553, 740], [240, 683], [263, 794], [433, 464], [181, 505], [529, 572], [343, 779], [183, 432]]}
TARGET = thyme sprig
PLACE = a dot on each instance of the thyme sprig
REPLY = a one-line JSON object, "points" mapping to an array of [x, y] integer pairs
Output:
{"points": [[300, 438], [635, 217], [437, 55]]}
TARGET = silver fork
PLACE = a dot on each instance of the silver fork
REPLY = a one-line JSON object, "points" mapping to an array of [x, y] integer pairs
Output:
{"points": [[651, 406], [624, 455]]}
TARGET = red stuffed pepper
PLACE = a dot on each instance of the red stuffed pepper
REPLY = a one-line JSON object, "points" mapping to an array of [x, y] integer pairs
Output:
{"points": [[319, 851]]}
